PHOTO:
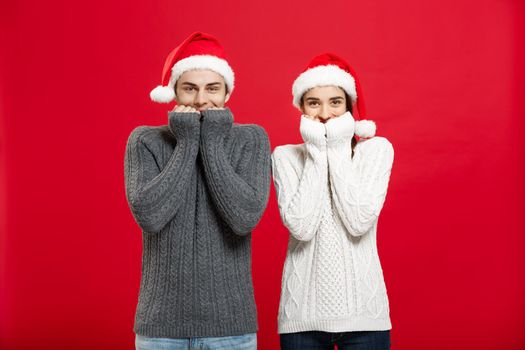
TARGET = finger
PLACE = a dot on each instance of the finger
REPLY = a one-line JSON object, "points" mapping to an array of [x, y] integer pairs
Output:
{"points": [[179, 108]]}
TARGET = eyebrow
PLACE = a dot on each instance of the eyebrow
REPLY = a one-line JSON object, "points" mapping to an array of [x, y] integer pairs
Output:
{"points": [[195, 85], [331, 98], [190, 84]]}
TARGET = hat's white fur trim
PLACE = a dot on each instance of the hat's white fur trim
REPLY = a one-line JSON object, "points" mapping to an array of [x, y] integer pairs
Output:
{"points": [[213, 63], [323, 76]]}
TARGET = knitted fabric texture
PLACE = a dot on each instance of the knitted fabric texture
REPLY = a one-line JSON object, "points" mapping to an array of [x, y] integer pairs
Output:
{"points": [[330, 202], [197, 188]]}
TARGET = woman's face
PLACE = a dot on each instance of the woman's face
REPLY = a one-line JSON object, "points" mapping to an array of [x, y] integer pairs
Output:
{"points": [[323, 103]]}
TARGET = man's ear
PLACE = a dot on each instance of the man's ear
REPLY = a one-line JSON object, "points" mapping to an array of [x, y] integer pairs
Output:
{"points": [[227, 97], [176, 99]]}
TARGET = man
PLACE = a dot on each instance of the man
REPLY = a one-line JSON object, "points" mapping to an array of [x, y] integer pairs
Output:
{"points": [[197, 187]]}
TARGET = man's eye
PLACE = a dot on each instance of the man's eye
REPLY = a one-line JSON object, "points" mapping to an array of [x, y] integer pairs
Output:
{"points": [[188, 89]]}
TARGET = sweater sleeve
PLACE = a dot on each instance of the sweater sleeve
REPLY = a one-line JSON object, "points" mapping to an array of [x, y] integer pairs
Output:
{"points": [[154, 195], [358, 184], [239, 193], [300, 181]]}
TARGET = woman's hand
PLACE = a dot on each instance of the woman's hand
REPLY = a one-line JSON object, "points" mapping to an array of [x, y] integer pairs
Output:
{"points": [[321, 120], [312, 131], [339, 128], [315, 119]]}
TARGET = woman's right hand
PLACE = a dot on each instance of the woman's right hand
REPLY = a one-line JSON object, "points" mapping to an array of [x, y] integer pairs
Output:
{"points": [[315, 119], [312, 131]]}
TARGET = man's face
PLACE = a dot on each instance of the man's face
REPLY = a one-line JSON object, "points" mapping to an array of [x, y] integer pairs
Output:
{"points": [[201, 89]]}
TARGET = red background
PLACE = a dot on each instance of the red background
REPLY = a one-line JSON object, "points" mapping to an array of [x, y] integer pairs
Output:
{"points": [[443, 80]]}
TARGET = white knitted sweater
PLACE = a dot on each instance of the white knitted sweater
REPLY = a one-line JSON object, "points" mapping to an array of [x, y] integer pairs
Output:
{"points": [[330, 202]]}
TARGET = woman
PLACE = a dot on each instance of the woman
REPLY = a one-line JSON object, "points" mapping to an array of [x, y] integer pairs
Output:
{"points": [[330, 191]]}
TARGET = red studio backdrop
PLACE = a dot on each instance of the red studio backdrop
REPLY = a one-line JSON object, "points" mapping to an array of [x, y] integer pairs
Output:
{"points": [[443, 80]]}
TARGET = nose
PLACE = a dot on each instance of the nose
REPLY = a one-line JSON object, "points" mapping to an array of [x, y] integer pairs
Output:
{"points": [[324, 114], [200, 99]]}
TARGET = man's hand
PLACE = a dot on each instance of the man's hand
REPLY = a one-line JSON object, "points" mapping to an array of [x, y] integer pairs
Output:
{"points": [[180, 124], [184, 109]]}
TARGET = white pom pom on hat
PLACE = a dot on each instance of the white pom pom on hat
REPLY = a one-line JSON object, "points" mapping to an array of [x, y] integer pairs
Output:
{"points": [[162, 94], [365, 128], [198, 51], [329, 69]]}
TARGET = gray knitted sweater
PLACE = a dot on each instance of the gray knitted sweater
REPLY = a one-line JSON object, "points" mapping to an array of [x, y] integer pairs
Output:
{"points": [[197, 188]]}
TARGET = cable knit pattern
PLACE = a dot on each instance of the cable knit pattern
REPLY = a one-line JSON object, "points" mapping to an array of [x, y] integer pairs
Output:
{"points": [[358, 183], [330, 295], [197, 188], [301, 196], [330, 202]]}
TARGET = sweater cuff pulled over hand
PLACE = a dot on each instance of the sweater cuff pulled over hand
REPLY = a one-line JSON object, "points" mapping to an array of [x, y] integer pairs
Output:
{"points": [[312, 131], [216, 121], [340, 129], [184, 125]]}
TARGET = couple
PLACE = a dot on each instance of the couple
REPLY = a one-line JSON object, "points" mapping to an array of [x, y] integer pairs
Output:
{"points": [[199, 185]]}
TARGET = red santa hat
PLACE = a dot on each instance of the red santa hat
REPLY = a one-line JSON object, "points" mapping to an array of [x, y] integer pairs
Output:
{"points": [[198, 51], [329, 69]]}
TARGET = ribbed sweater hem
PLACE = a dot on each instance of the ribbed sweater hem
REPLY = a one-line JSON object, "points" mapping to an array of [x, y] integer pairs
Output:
{"points": [[194, 331], [337, 326]]}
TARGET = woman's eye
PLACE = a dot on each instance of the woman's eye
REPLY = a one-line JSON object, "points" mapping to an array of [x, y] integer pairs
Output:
{"points": [[337, 102], [312, 104]]}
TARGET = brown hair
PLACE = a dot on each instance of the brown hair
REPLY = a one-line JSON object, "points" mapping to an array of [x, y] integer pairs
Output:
{"points": [[351, 110]]}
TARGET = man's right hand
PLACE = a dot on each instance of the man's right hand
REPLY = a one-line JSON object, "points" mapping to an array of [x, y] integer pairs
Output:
{"points": [[181, 124], [184, 109]]}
